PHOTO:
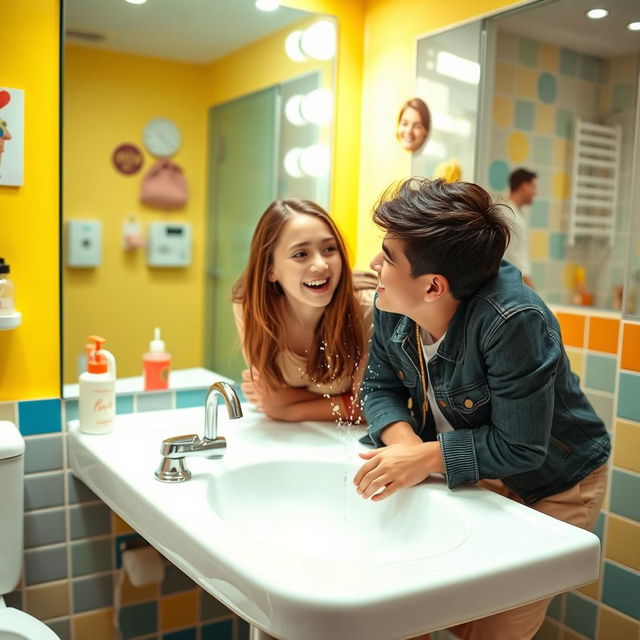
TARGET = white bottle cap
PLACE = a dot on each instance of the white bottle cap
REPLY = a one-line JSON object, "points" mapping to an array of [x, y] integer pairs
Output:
{"points": [[156, 344]]}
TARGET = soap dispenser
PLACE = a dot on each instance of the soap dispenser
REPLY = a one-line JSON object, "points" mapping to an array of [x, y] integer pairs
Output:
{"points": [[7, 290], [156, 364], [97, 389]]}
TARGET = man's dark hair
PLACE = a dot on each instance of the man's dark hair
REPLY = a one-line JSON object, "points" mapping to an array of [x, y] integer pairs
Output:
{"points": [[453, 229], [519, 177]]}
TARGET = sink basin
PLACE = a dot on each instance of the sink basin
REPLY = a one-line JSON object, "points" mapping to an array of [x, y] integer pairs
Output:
{"points": [[276, 531]]}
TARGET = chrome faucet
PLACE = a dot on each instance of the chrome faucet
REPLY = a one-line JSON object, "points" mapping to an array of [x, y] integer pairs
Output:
{"points": [[174, 450]]}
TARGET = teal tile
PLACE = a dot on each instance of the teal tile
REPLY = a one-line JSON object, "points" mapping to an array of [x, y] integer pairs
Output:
{"points": [[556, 608], [93, 592], [539, 274], [524, 115], [39, 416], [599, 528], [603, 406], [581, 615], [589, 68], [628, 394], [600, 372], [44, 527], [45, 564], [620, 590], [124, 404], [190, 398], [557, 245], [184, 634], [175, 581], [568, 62], [539, 218], [547, 88], [89, 521], [218, 631], [498, 174], [156, 401], [564, 123], [70, 410], [528, 51], [90, 557], [623, 97], [244, 630], [139, 619], [211, 608], [625, 489], [542, 150]]}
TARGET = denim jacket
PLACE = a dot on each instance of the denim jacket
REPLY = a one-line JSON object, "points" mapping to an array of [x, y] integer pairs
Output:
{"points": [[502, 379]]}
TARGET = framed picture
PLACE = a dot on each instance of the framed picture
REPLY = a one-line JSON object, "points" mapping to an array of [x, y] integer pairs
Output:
{"points": [[11, 137]]}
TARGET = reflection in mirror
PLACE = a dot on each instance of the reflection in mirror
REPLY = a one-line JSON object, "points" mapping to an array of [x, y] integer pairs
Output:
{"points": [[182, 122], [559, 99]]}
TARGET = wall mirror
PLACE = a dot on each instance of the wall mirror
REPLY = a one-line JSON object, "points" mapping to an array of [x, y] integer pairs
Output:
{"points": [[558, 95], [240, 102]]}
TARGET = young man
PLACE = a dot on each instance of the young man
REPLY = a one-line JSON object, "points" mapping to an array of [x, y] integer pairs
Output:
{"points": [[467, 375], [523, 187]]}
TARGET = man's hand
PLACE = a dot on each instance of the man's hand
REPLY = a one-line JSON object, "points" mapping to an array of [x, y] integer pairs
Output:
{"points": [[396, 467]]}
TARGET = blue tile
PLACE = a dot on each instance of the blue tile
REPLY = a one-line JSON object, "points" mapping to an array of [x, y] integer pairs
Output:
{"points": [[39, 416], [625, 489], [70, 410], [218, 631], [581, 615], [599, 529], [156, 401], [600, 372], [44, 527], [89, 521], [185, 634], [546, 88], [589, 68], [91, 556], [43, 454], [244, 630], [498, 175], [556, 607], [95, 592], [175, 580], [190, 398], [524, 115], [557, 245], [124, 404], [211, 608], [539, 215], [78, 490], [42, 491], [628, 394], [45, 565], [620, 590], [139, 619]]}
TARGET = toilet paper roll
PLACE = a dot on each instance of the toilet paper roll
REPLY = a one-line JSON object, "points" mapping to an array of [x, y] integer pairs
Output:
{"points": [[143, 566]]}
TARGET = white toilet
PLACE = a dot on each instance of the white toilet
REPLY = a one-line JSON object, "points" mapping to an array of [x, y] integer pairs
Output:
{"points": [[14, 624]]}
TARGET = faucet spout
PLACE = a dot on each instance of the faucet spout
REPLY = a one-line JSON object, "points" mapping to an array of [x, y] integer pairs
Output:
{"points": [[230, 398]]}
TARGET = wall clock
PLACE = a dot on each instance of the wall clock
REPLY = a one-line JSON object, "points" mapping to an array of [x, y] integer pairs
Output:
{"points": [[161, 137]]}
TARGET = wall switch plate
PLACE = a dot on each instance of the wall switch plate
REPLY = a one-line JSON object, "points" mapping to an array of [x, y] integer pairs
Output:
{"points": [[83, 247], [169, 244]]}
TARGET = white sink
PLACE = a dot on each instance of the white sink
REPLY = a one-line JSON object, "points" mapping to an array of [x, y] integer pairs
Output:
{"points": [[276, 531]]}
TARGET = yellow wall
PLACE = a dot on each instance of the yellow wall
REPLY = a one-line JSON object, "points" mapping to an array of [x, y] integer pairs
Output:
{"points": [[108, 98], [29, 355], [391, 30]]}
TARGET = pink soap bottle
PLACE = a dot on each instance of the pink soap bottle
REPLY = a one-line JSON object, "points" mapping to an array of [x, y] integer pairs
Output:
{"points": [[156, 364]]}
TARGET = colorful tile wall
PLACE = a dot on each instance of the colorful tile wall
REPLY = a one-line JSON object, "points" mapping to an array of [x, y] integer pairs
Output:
{"points": [[539, 90]]}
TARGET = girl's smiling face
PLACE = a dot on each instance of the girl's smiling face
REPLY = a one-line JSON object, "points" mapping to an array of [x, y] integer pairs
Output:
{"points": [[306, 261], [411, 132]]}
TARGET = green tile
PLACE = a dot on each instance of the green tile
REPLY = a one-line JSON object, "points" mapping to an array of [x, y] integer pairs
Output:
{"points": [[603, 406], [625, 489], [623, 97], [528, 51], [90, 557], [542, 150], [581, 615], [620, 590], [547, 88], [157, 401], [524, 115], [564, 123], [568, 62], [539, 218], [190, 398], [498, 174], [600, 372], [211, 608], [139, 619], [628, 394], [124, 404], [218, 631], [556, 608], [589, 68], [557, 245]]}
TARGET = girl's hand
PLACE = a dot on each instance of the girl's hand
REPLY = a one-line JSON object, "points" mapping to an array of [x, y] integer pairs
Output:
{"points": [[251, 389]]}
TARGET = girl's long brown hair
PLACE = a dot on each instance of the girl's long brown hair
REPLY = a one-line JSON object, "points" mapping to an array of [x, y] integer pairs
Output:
{"points": [[339, 341]]}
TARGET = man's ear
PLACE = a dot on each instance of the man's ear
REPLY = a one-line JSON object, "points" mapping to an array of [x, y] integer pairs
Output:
{"points": [[436, 286]]}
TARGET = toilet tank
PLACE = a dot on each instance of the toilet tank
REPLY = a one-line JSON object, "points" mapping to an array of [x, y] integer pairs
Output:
{"points": [[11, 505]]}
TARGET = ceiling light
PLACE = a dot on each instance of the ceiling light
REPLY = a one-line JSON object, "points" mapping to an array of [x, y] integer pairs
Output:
{"points": [[267, 5], [634, 26], [136, 1], [596, 14]]}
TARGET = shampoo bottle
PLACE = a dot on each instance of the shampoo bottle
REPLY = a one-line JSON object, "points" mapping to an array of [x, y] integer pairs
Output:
{"points": [[97, 395], [156, 364]]}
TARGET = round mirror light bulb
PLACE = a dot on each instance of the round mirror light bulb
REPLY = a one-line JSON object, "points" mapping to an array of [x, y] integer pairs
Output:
{"points": [[319, 40], [597, 14], [634, 26], [293, 111], [314, 160], [292, 162], [292, 47], [317, 106], [267, 5]]}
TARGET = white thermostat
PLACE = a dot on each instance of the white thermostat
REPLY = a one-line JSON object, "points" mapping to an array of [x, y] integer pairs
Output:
{"points": [[169, 244], [83, 243]]}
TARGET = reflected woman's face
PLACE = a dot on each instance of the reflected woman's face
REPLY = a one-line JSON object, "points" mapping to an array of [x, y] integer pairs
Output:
{"points": [[411, 133]]}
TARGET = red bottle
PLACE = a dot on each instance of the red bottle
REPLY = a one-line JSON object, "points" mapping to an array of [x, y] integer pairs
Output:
{"points": [[156, 364]]}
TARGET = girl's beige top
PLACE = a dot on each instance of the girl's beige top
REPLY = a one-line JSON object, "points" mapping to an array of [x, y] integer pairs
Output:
{"points": [[294, 367]]}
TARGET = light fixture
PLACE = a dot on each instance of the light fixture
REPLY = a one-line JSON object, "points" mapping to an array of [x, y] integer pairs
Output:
{"points": [[136, 1], [267, 5], [597, 14], [319, 40], [292, 162], [634, 26], [317, 106], [314, 160], [292, 47], [292, 110]]}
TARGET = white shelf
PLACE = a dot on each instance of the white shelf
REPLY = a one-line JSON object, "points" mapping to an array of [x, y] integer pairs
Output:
{"points": [[10, 321]]}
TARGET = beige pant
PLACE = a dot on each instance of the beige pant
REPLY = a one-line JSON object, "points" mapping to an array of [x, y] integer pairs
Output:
{"points": [[578, 506]]}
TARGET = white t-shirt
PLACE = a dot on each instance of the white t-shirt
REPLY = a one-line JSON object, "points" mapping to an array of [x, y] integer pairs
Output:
{"points": [[429, 349], [517, 252]]}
